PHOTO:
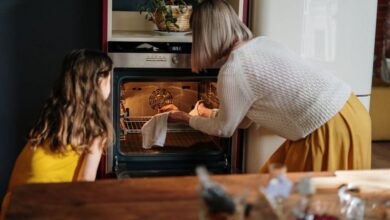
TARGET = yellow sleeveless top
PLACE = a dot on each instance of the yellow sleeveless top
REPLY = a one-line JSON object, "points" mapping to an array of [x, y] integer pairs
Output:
{"points": [[41, 165]]}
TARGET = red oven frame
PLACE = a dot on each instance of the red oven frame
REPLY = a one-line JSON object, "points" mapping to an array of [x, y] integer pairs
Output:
{"points": [[237, 139]]}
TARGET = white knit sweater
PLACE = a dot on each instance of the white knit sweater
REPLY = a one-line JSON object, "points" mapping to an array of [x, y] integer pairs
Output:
{"points": [[275, 89]]}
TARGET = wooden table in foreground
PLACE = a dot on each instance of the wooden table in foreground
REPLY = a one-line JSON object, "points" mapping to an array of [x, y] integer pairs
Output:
{"points": [[141, 198]]}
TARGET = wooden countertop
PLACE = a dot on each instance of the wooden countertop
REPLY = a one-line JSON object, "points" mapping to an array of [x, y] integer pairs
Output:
{"points": [[141, 198]]}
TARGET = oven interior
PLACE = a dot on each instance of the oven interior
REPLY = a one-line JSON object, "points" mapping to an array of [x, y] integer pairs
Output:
{"points": [[139, 98]]}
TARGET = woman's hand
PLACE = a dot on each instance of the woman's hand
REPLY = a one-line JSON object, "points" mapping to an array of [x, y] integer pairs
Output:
{"points": [[167, 108], [178, 116], [174, 114], [204, 111]]}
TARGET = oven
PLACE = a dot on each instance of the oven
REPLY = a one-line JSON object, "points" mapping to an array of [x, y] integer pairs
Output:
{"points": [[146, 76]]}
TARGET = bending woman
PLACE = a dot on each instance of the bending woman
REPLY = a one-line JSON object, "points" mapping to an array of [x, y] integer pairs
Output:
{"points": [[326, 126]]}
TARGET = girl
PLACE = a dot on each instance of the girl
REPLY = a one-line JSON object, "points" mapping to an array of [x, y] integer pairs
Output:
{"points": [[325, 125], [73, 128]]}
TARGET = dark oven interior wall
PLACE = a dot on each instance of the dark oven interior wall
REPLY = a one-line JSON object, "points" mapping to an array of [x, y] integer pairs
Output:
{"points": [[35, 37]]}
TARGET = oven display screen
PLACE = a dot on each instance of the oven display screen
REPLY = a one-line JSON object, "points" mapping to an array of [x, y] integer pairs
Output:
{"points": [[176, 49], [149, 47]]}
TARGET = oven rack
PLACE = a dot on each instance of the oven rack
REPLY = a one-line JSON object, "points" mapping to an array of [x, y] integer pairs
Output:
{"points": [[134, 125], [175, 142]]}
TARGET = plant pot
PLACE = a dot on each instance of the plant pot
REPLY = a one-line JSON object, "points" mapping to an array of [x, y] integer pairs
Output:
{"points": [[182, 22]]}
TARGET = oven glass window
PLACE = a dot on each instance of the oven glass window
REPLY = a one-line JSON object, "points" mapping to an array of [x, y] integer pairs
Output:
{"points": [[140, 100]]}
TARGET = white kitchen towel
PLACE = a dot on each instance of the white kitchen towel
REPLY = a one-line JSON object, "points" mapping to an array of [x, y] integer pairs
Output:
{"points": [[154, 131]]}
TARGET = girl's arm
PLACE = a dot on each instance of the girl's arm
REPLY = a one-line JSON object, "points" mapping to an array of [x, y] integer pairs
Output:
{"points": [[90, 161]]}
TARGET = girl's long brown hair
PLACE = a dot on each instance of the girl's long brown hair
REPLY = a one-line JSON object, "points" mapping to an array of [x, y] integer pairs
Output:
{"points": [[76, 112]]}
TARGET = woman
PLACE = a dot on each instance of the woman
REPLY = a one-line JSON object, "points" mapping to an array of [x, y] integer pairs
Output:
{"points": [[73, 128], [325, 125]]}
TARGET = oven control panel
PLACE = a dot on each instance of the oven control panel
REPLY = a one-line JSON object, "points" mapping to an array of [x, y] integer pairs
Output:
{"points": [[150, 54], [144, 60]]}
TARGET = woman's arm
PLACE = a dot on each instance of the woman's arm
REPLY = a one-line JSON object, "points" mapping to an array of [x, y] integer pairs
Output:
{"points": [[233, 108], [235, 101], [90, 161], [206, 112], [212, 113]]}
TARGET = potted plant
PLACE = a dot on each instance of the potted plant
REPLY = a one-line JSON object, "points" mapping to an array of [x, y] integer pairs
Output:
{"points": [[168, 15]]}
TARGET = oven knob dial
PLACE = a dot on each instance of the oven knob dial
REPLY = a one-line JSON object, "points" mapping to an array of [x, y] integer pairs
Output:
{"points": [[175, 60]]}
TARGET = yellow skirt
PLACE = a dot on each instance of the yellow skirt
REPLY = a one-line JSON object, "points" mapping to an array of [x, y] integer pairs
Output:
{"points": [[342, 143]]}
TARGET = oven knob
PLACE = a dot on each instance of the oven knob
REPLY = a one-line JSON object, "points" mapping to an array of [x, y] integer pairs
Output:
{"points": [[175, 60]]}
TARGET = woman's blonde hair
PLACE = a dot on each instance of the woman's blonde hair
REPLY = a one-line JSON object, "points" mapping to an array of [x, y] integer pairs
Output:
{"points": [[76, 112], [216, 29]]}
